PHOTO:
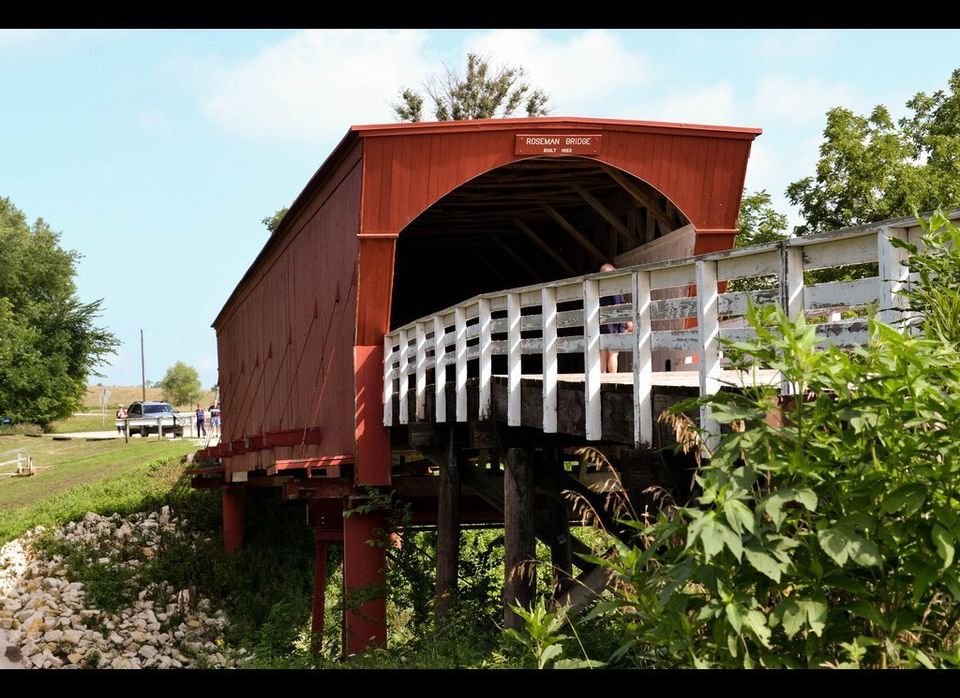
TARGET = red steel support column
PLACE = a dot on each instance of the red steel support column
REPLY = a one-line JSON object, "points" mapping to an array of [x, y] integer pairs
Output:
{"points": [[365, 614], [232, 519]]}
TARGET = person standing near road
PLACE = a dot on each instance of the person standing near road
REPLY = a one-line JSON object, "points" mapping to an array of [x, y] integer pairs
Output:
{"points": [[121, 414], [215, 420], [200, 419]]}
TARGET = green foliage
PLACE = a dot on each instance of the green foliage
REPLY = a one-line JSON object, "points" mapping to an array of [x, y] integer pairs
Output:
{"points": [[271, 223], [542, 639], [828, 540], [484, 93], [758, 222], [872, 168], [49, 344], [181, 385]]}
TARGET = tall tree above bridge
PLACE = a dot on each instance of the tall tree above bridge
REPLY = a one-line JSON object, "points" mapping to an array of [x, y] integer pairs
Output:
{"points": [[872, 168], [484, 93]]}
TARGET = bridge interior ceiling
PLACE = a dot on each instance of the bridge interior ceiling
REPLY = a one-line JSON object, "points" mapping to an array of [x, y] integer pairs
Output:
{"points": [[525, 223]]}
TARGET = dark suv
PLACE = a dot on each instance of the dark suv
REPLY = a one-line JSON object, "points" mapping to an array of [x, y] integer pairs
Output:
{"points": [[145, 418]]}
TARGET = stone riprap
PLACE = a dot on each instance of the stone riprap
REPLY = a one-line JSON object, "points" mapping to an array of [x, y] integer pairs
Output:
{"points": [[48, 616]]}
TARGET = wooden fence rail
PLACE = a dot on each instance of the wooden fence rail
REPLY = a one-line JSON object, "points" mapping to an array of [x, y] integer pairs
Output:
{"points": [[494, 324]]}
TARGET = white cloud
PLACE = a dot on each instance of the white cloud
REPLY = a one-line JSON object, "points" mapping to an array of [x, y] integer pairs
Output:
{"points": [[763, 165], [715, 105], [786, 98], [581, 73], [314, 84], [792, 45]]}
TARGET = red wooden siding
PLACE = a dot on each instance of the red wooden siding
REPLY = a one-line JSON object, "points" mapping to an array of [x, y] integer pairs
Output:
{"points": [[408, 169], [285, 339]]}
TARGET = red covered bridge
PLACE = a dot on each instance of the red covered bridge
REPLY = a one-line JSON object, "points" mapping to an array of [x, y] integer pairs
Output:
{"points": [[402, 221]]}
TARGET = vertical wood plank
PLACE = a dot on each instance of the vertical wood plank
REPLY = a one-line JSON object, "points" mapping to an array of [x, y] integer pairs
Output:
{"points": [[591, 359], [460, 327], [894, 276], [708, 323], [403, 373], [387, 380], [448, 529], [420, 336], [440, 369], [514, 369], [791, 293], [549, 318], [486, 349], [642, 360]]}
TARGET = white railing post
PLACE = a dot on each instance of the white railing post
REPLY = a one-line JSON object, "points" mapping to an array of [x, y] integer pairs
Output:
{"points": [[421, 367], [642, 360], [460, 327], [404, 389], [591, 360], [894, 276], [791, 292], [387, 381], [548, 315], [708, 324], [514, 366], [486, 353], [439, 369]]}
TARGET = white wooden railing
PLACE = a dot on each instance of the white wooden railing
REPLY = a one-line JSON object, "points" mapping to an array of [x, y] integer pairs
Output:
{"points": [[467, 330]]}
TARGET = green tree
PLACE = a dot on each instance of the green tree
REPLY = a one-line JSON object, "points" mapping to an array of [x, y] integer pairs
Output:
{"points": [[484, 93], [758, 221], [49, 344], [273, 222], [872, 168], [181, 385]]}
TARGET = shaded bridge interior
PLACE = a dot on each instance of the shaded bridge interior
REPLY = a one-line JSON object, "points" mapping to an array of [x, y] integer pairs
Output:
{"points": [[535, 220]]}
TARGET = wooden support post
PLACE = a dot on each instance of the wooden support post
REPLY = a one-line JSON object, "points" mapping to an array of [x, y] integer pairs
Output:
{"points": [[561, 550], [319, 594], [364, 582], [421, 368], [460, 320], [791, 292], [388, 358], [486, 354], [591, 359], [403, 373], [439, 369], [708, 324], [126, 431], [232, 519], [548, 310], [894, 276], [519, 537], [642, 360], [514, 368], [448, 530]]}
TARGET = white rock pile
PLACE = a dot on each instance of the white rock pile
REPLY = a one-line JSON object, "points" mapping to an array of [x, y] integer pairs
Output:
{"points": [[47, 615]]}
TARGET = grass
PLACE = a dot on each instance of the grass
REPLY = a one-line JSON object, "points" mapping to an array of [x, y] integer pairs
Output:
{"points": [[101, 476], [84, 423]]}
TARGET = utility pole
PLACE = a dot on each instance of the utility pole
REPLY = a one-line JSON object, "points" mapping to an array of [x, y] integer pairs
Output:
{"points": [[143, 373]]}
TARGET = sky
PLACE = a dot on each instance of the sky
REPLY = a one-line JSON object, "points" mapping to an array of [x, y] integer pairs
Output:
{"points": [[157, 153]]}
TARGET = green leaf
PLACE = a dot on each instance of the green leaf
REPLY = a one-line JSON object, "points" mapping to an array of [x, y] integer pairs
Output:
{"points": [[908, 498], [739, 516], [944, 541], [792, 615], [551, 652], [757, 622], [765, 564], [816, 612], [842, 544], [734, 617]]}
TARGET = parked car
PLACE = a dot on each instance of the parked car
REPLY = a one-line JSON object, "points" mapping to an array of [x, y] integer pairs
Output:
{"points": [[146, 418]]}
